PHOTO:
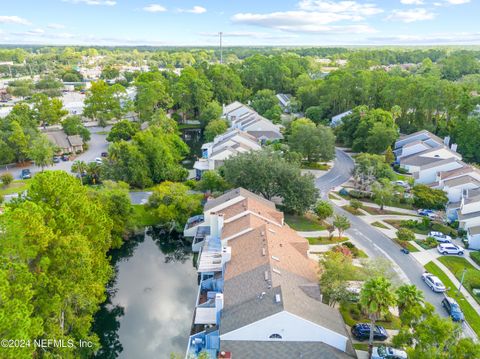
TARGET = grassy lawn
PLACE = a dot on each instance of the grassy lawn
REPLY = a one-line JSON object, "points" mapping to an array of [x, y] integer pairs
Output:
{"points": [[406, 244], [421, 228], [377, 211], [361, 346], [14, 187], [104, 133], [456, 265], [352, 315], [333, 196], [352, 210], [471, 316], [379, 225], [142, 217], [315, 166], [326, 240], [304, 223]]}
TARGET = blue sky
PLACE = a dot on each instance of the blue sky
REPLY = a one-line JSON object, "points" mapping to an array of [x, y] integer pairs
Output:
{"points": [[243, 22]]}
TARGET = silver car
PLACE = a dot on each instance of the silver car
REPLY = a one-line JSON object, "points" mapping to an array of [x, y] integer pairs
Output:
{"points": [[433, 282], [449, 248], [440, 237]]}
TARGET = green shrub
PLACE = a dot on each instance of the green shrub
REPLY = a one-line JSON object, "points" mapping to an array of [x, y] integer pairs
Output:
{"points": [[405, 234], [356, 194], [431, 242], [6, 179], [355, 204], [439, 227], [475, 256]]}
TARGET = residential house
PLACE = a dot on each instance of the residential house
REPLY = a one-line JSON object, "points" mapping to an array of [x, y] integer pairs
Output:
{"points": [[259, 286], [455, 182], [224, 146], [65, 144], [337, 120], [244, 118], [284, 101]]}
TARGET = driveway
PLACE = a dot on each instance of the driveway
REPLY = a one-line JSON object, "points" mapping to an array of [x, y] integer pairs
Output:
{"points": [[374, 242], [96, 146]]}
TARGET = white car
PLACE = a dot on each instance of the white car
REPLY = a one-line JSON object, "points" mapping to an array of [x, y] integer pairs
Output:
{"points": [[401, 183], [449, 248], [388, 353], [98, 160], [440, 237], [433, 282]]}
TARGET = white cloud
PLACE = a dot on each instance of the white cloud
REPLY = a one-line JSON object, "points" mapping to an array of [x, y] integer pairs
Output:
{"points": [[155, 8], [411, 15], [315, 16], [194, 10], [56, 26], [249, 35], [457, 2], [14, 20], [350, 7], [93, 2], [431, 39], [412, 2]]}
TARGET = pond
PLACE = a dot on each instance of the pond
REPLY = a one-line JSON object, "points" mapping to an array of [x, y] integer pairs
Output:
{"points": [[148, 312]]}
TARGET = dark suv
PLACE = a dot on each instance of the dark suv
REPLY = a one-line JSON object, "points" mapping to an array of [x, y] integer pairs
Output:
{"points": [[361, 331], [453, 309]]}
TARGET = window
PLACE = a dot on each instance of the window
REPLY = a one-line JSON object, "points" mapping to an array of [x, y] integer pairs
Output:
{"points": [[275, 336]]}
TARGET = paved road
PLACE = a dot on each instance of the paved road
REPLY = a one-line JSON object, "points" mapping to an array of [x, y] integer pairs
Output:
{"points": [[96, 146], [140, 197], [375, 242]]}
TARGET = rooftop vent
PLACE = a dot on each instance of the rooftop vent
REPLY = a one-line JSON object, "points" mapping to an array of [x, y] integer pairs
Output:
{"points": [[266, 275], [271, 230], [276, 271], [264, 252], [276, 258], [278, 299], [262, 233], [261, 295]]}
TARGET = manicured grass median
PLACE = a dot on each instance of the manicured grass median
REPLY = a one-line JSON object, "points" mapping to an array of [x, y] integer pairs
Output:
{"points": [[354, 211], [304, 223], [14, 187], [326, 240], [379, 225], [456, 265], [376, 211], [471, 316]]}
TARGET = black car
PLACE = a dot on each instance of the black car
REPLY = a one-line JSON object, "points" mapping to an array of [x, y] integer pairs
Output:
{"points": [[104, 154], [26, 174], [453, 309], [361, 331]]}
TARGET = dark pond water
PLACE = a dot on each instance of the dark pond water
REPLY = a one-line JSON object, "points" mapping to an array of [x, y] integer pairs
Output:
{"points": [[149, 308]]}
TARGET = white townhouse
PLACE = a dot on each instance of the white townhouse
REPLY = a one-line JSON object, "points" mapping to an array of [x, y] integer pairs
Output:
{"points": [[224, 146]]}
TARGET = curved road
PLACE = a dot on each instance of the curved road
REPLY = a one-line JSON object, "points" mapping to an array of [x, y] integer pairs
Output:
{"points": [[375, 242]]}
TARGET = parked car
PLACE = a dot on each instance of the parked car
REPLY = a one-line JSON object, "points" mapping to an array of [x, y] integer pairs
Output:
{"points": [[388, 353], [440, 237], [361, 331], [104, 154], [56, 159], [433, 282], [65, 158], [98, 160], [26, 174], [450, 248], [401, 183], [427, 213], [453, 309]]}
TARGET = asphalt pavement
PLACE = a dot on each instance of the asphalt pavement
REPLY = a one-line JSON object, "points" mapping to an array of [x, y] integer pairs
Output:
{"points": [[96, 146], [375, 242]]}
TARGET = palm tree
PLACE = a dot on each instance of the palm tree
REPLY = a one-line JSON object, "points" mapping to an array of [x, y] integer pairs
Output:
{"points": [[80, 168], [93, 171], [376, 297], [409, 299], [341, 223]]}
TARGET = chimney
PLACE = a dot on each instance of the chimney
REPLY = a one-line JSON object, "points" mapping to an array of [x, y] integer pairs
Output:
{"points": [[446, 141], [454, 147]]}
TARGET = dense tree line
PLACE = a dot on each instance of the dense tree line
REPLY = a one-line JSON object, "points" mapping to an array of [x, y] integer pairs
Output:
{"points": [[54, 264]]}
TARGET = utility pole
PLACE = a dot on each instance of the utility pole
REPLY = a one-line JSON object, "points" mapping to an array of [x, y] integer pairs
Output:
{"points": [[221, 48], [461, 282]]}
